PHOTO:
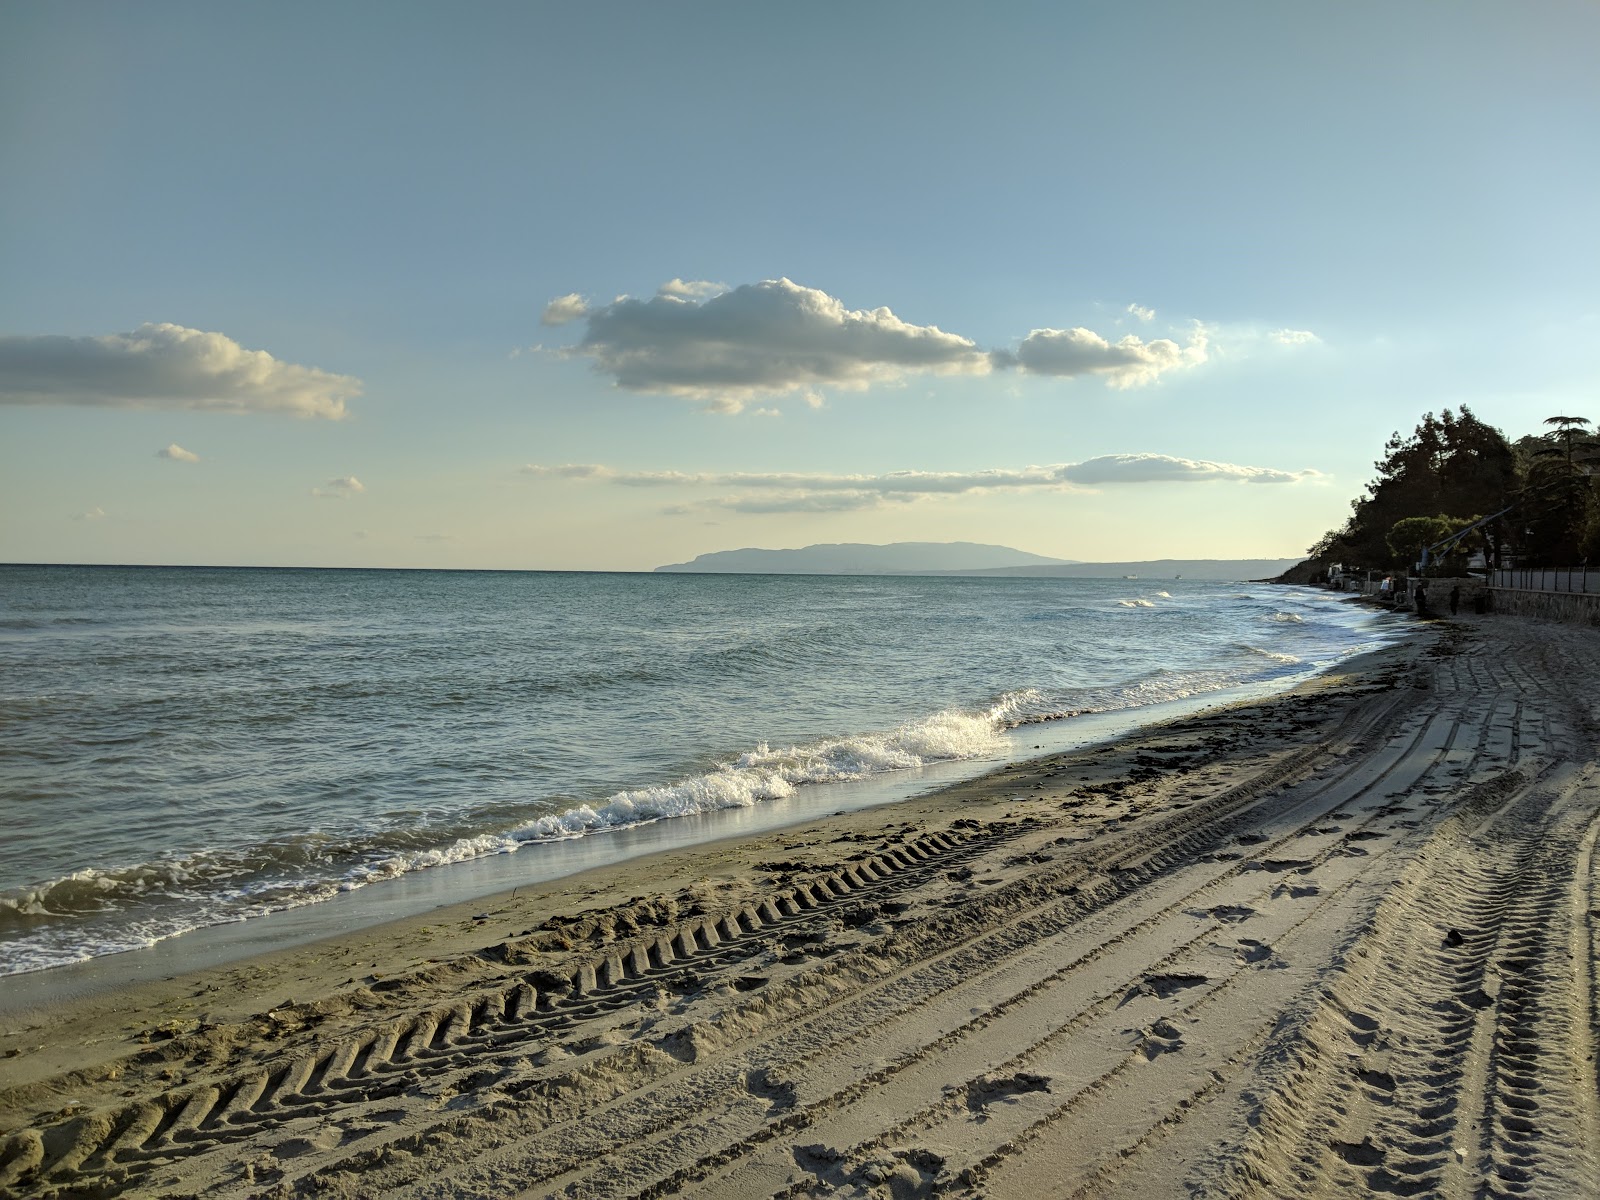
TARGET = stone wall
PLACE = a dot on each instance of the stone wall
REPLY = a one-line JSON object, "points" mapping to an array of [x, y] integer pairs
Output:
{"points": [[1576, 609]]}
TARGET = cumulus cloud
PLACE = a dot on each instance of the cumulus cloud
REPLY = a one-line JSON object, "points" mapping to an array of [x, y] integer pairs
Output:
{"points": [[732, 347], [165, 366], [563, 309], [796, 491], [177, 454], [762, 339], [1130, 362], [341, 488]]}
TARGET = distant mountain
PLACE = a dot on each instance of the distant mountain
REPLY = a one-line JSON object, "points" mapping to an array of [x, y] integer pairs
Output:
{"points": [[855, 558], [966, 558]]}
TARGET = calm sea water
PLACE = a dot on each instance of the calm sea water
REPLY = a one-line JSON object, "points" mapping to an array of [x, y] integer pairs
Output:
{"points": [[181, 747]]}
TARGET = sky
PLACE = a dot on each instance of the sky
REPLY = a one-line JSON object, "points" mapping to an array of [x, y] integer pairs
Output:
{"points": [[606, 286]]}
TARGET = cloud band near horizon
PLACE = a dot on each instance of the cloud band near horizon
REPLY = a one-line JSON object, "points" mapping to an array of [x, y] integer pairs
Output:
{"points": [[766, 492]]}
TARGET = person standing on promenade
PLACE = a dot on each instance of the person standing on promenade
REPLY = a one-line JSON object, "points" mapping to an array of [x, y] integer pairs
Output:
{"points": [[1455, 598], [1420, 595]]}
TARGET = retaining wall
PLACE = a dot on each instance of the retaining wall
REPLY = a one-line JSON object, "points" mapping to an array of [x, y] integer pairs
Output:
{"points": [[1574, 608]]}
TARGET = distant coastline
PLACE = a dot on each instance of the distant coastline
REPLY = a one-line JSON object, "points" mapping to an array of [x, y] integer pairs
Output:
{"points": [[966, 559]]}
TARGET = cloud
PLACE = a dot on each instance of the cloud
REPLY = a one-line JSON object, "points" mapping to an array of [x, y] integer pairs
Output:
{"points": [[762, 339], [691, 289], [94, 514], [789, 502], [1127, 363], [793, 491], [165, 366], [342, 488], [563, 309], [566, 471], [1143, 313], [1164, 468], [1293, 337], [177, 454]]}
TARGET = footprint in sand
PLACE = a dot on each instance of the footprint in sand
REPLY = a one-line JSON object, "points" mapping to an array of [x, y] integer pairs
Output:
{"points": [[1251, 953], [1164, 1037]]}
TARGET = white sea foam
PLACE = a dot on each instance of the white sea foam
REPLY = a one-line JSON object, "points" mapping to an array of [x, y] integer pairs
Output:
{"points": [[1164, 595], [768, 773], [1135, 604], [1273, 655], [1286, 618]]}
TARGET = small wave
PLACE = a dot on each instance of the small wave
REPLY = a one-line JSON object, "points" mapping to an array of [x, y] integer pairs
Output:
{"points": [[1135, 604], [216, 887], [1286, 659], [1164, 595], [766, 773], [1286, 618]]}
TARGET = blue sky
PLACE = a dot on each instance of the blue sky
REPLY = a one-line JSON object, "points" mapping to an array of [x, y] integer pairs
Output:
{"points": [[1104, 281]]}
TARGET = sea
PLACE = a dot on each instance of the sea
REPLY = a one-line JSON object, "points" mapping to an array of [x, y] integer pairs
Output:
{"points": [[185, 750]]}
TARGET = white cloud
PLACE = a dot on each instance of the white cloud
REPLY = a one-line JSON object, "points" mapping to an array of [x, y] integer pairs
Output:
{"points": [[1129, 362], [341, 488], [1293, 337], [792, 491], [178, 454], [691, 289], [1164, 468], [782, 502], [1143, 313], [165, 366], [562, 309], [94, 514], [566, 470], [762, 339]]}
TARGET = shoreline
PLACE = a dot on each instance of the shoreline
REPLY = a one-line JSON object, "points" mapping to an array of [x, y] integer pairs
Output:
{"points": [[219, 948], [1126, 902], [480, 879]]}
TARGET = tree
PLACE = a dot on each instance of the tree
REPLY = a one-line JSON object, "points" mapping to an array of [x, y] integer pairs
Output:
{"points": [[1567, 428], [1557, 517], [1451, 465], [1411, 535]]}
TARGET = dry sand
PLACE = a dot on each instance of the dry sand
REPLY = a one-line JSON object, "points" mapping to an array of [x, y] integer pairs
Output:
{"points": [[1342, 942]]}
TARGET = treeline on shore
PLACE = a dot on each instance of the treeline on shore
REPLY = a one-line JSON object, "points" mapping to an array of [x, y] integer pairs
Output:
{"points": [[1435, 488]]}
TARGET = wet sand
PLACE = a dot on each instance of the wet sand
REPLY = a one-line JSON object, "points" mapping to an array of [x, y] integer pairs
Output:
{"points": [[1339, 942]]}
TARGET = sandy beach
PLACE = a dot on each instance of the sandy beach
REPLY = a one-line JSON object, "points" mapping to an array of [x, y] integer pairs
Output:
{"points": [[1339, 942]]}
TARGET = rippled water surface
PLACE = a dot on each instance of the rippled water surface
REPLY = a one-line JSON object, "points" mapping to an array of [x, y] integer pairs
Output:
{"points": [[185, 746]]}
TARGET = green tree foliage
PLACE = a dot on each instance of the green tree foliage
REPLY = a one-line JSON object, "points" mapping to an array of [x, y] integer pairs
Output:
{"points": [[1410, 535], [1452, 465], [1557, 522]]}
